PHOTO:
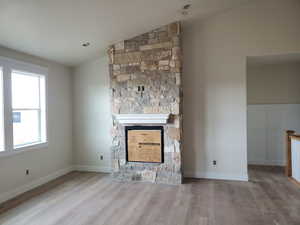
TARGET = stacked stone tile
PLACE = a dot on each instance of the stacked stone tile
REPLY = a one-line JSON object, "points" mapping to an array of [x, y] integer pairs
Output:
{"points": [[153, 61]]}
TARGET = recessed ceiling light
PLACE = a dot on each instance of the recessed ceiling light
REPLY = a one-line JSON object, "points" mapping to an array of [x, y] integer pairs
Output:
{"points": [[184, 12], [86, 44]]}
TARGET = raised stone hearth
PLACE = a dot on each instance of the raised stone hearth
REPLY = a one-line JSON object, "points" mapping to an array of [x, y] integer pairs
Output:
{"points": [[145, 75]]}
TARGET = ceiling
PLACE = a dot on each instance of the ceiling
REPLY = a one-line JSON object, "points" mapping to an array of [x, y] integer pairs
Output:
{"points": [[56, 29], [273, 59]]}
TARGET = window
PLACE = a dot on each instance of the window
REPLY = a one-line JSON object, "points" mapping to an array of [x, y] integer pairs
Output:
{"points": [[22, 106], [28, 108]]}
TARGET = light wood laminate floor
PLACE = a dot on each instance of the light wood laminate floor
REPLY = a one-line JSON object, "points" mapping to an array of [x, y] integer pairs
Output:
{"points": [[95, 199]]}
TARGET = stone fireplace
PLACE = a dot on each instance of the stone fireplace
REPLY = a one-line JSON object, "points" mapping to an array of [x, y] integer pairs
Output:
{"points": [[146, 98]]}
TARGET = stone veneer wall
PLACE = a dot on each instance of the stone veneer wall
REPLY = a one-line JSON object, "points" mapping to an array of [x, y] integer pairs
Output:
{"points": [[152, 60]]}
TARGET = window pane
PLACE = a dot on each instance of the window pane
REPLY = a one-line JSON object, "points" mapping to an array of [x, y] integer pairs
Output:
{"points": [[26, 127], [25, 90], [1, 112]]}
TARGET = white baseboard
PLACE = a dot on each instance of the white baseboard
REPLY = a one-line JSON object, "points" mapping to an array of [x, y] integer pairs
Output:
{"points": [[40, 181], [217, 176], [86, 168], [266, 162], [33, 184]]}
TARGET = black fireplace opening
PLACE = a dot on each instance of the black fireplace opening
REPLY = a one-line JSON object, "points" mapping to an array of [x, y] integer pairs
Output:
{"points": [[144, 144]]}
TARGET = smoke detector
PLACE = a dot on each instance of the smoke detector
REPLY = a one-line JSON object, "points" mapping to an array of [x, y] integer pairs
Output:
{"points": [[86, 44], [186, 7]]}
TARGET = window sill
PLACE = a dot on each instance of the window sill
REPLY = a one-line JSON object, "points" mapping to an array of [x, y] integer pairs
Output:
{"points": [[23, 149], [32, 146]]}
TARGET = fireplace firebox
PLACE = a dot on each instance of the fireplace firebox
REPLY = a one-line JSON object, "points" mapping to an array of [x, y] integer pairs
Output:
{"points": [[144, 144]]}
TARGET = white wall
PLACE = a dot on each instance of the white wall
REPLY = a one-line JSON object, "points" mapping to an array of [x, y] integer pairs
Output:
{"points": [[273, 84], [267, 125], [214, 79], [92, 116], [57, 157]]}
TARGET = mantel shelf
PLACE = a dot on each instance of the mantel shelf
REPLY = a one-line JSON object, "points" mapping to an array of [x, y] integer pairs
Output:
{"points": [[142, 118]]}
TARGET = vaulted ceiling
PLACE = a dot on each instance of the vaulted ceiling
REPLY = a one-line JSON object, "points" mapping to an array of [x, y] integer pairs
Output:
{"points": [[56, 29]]}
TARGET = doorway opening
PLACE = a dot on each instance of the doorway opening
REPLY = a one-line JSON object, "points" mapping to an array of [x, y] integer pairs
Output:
{"points": [[273, 107]]}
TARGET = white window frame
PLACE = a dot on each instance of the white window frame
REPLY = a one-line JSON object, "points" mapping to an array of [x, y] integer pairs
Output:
{"points": [[8, 66]]}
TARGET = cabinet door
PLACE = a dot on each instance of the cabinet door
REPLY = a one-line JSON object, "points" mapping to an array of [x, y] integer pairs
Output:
{"points": [[296, 159]]}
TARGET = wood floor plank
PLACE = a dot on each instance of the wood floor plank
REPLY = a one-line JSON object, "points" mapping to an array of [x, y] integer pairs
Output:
{"points": [[95, 199]]}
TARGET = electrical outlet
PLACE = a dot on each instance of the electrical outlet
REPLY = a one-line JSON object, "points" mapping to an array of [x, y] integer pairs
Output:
{"points": [[27, 171], [215, 162], [101, 157]]}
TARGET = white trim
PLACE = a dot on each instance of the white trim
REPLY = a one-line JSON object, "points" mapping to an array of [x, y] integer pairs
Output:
{"points": [[35, 183], [8, 125], [8, 65], [142, 118], [217, 176], [36, 145], [39, 146], [86, 168], [23, 66], [267, 162]]}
